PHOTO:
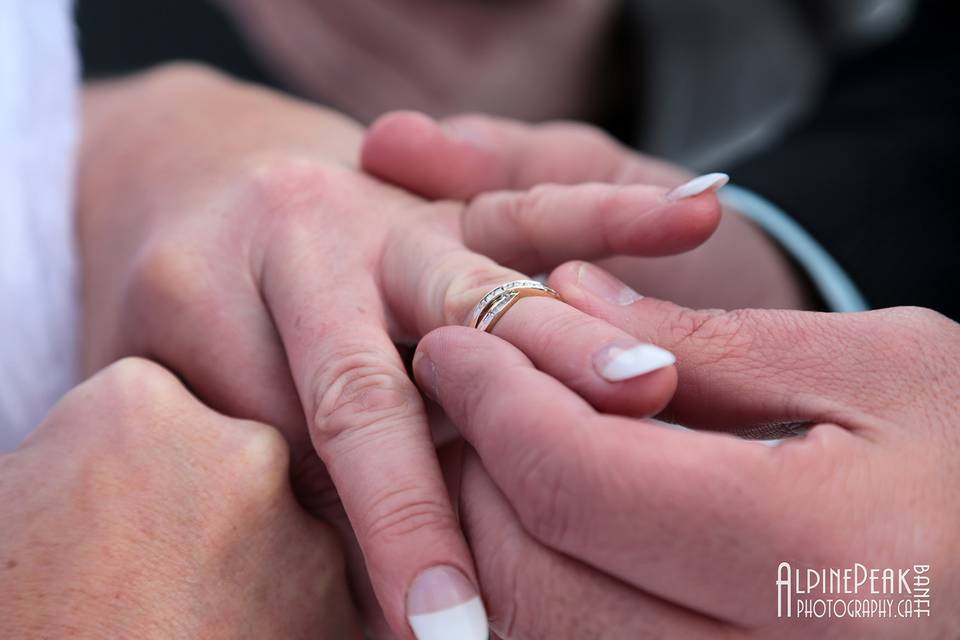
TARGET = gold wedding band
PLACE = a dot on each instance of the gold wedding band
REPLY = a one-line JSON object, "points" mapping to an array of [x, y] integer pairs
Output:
{"points": [[487, 313]]}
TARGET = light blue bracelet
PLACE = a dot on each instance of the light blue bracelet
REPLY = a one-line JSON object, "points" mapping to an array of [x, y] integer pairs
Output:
{"points": [[834, 285]]}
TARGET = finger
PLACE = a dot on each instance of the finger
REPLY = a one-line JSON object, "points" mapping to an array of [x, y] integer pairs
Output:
{"points": [[581, 601], [431, 280], [756, 368], [471, 154], [259, 387], [194, 468], [368, 425], [536, 230], [681, 515]]}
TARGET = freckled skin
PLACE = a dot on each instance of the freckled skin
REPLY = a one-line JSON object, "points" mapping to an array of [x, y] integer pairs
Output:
{"points": [[133, 511]]}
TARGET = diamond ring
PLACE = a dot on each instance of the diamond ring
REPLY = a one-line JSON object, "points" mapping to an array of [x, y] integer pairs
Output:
{"points": [[498, 301]]}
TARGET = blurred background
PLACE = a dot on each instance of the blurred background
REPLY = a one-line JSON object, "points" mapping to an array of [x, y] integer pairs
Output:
{"points": [[844, 112]]}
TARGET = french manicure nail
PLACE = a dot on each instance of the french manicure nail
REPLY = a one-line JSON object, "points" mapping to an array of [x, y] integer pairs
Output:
{"points": [[443, 604], [601, 284], [626, 360], [698, 186]]}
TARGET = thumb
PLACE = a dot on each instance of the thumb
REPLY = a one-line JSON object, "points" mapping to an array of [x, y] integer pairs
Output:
{"points": [[763, 371]]}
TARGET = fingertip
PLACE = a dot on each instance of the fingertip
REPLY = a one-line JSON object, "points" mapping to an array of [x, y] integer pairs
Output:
{"points": [[702, 216], [442, 602], [413, 151], [644, 396], [682, 227], [392, 138]]}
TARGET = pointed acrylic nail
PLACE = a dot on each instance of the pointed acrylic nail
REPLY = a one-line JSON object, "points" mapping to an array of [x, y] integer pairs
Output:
{"points": [[443, 604], [699, 186], [625, 361]]}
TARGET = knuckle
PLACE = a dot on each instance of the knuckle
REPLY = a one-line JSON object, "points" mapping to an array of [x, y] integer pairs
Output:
{"points": [[357, 392], [714, 334], [127, 401], [183, 74], [787, 345], [741, 334], [923, 341], [137, 383], [523, 216], [403, 511], [533, 205], [165, 276], [468, 281], [555, 330], [288, 186], [263, 454], [907, 334], [917, 321], [502, 212]]}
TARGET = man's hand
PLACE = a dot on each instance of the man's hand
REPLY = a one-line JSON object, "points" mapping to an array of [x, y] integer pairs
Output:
{"points": [[226, 232], [134, 511], [466, 156], [645, 531]]}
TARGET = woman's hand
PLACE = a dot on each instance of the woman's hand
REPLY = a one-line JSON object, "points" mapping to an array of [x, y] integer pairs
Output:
{"points": [[466, 156], [134, 511], [642, 530], [226, 233]]}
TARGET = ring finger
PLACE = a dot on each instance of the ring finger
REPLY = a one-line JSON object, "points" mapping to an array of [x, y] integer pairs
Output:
{"points": [[431, 280]]}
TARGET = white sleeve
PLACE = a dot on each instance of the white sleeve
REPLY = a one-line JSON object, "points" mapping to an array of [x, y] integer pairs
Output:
{"points": [[38, 122]]}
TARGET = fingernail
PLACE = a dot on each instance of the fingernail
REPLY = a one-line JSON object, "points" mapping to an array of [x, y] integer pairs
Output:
{"points": [[443, 604], [626, 360], [605, 286], [697, 186], [425, 372]]}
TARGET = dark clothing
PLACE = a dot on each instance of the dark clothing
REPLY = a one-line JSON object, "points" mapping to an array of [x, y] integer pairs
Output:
{"points": [[870, 175]]}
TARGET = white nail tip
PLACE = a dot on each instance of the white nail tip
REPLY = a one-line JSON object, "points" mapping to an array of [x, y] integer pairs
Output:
{"points": [[698, 186], [636, 361], [467, 621]]}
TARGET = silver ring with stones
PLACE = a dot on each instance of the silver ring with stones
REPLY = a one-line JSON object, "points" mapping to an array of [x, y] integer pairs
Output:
{"points": [[498, 301]]}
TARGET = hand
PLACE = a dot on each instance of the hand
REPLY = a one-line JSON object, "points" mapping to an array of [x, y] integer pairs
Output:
{"points": [[226, 233], [437, 56], [466, 156], [134, 511], [647, 531]]}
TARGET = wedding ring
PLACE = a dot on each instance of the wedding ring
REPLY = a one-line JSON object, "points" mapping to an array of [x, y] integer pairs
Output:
{"points": [[498, 301]]}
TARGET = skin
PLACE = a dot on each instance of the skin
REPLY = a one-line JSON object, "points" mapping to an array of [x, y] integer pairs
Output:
{"points": [[134, 511], [644, 531], [246, 252], [437, 56], [446, 57], [738, 267]]}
